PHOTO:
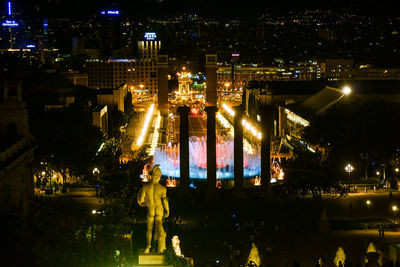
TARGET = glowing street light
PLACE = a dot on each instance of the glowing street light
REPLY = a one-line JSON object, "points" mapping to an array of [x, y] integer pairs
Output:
{"points": [[349, 169], [96, 171], [394, 208], [397, 169], [368, 202], [377, 172], [346, 90], [94, 211]]}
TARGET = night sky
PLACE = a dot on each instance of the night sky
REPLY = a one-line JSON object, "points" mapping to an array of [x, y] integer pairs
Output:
{"points": [[210, 8]]}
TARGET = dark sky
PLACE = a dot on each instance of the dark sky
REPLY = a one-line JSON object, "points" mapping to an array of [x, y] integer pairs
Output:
{"points": [[213, 8]]}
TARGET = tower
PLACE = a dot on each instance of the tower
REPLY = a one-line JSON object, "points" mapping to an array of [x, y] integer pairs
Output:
{"points": [[162, 94], [16, 151], [13, 113], [211, 75]]}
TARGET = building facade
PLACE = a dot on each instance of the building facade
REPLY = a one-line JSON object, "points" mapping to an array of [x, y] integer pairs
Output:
{"points": [[16, 151]]}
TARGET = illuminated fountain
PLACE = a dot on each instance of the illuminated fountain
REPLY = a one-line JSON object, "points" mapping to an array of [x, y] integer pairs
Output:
{"points": [[168, 158]]}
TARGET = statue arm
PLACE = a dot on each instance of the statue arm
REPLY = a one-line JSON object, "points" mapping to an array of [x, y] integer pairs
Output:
{"points": [[165, 203], [141, 198]]}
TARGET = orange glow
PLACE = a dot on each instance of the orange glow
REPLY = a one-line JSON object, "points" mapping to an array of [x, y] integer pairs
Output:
{"points": [[171, 182], [195, 111], [257, 181]]}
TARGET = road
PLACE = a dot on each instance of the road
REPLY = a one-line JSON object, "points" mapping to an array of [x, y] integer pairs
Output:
{"points": [[197, 126]]}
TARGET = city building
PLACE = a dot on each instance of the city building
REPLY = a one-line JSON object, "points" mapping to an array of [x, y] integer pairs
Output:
{"points": [[245, 73], [100, 118], [113, 97], [76, 78], [140, 75]]}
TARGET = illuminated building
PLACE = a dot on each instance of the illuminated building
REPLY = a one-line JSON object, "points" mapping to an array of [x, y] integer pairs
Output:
{"points": [[110, 32], [100, 118], [76, 78], [113, 97], [140, 75], [148, 49], [244, 74], [337, 69]]}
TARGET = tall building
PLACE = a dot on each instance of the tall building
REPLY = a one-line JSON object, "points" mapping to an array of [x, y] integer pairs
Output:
{"points": [[140, 75], [148, 49], [111, 32], [137, 74], [14, 32], [211, 74]]}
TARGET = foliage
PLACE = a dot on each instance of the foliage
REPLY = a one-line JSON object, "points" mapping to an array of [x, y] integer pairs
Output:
{"points": [[115, 120], [172, 259], [66, 138]]}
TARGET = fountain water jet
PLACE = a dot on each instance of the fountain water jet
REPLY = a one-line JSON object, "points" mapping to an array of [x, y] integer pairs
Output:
{"points": [[254, 255], [168, 158]]}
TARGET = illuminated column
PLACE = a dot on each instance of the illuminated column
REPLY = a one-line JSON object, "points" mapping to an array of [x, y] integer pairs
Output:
{"points": [[211, 151], [162, 94], [266, 131], [238, 147], [184, 145], [211, 76]]}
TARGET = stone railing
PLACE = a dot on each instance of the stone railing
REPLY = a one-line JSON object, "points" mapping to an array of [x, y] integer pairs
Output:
{"points": [[13, 150]]}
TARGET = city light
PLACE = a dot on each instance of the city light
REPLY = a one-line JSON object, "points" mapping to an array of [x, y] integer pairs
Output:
{"points": [[145, 125], [96, 171], [349, 168], [110, 12], [368, 202], [150, 36], [94, 211], [9, 8], [346, 90], [227, 125], [154, 140], [10, 23], [247, 125], [228, 109], [394, 208], [296, 119]]}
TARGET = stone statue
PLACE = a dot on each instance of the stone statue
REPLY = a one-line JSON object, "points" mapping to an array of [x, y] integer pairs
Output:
{"points": [[175, 244], [154, 196]]}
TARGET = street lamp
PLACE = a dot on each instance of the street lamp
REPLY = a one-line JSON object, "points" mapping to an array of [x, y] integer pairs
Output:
{"points": [[394, 208], [96, 171], [368, 203], [349, 169], [346, 90]]}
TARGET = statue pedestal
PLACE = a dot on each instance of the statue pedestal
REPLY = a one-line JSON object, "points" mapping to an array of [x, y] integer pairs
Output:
{"points": [[152, 260]]}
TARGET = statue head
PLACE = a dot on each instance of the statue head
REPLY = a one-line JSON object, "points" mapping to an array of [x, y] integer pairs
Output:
{"points": [[156, 174]]}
